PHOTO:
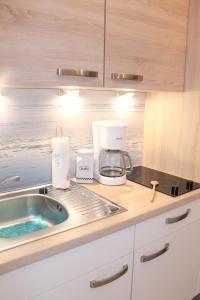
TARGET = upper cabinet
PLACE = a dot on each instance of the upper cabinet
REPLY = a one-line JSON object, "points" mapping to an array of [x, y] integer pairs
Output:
{"points": [[45, 42], [146, 44], [117, 44]]}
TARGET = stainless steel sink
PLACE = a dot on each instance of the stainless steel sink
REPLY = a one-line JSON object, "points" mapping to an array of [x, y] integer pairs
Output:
{"points": [[29, 213], [26, 215]]}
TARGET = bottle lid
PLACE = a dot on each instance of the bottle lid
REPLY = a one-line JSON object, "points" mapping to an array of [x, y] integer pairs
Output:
{"points": [[59, 131]]}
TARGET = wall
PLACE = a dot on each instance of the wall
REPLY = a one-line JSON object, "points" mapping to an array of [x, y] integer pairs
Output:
{"points": [[28, 119], [172, 120]]}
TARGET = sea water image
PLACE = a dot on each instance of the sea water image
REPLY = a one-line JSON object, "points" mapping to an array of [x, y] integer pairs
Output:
{"points": [[28, 123]]}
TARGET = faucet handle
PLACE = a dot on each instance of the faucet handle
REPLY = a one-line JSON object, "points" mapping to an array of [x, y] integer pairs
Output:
{"points": [[43, 190]]}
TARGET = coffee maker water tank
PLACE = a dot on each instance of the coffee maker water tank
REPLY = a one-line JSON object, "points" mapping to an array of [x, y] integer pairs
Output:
{"points": [[113, 135]]}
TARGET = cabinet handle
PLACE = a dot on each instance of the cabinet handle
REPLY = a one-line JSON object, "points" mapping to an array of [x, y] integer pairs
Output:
{"points": [[146, 258], [124, 76], [179, 218], [197, 297], [95, 284], [76, 72]]}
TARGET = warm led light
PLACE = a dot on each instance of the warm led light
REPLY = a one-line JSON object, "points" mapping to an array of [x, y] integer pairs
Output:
{"points": [[124, 101], [69, 101]]}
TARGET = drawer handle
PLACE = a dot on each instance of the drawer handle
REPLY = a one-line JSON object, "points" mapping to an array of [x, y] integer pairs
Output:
{"points": [[179, 218], [76, 72], [124, 76], [146, 258], [95, 284], [197, 297]]}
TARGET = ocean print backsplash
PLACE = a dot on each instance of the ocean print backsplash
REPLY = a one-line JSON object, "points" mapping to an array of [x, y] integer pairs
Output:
{"points": [[28, 119]]}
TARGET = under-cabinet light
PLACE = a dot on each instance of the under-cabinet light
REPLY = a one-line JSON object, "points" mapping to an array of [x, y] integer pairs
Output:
{"points": [[125, 94], [69, 100], [124, 100]]}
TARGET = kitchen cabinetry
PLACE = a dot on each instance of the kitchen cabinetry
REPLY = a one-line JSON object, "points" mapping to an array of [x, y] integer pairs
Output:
{"points": [[146, 43], [38, 37], [71, 274], [168, 267], [55, 43]]}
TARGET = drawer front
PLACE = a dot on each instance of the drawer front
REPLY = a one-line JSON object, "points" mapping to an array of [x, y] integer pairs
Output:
{"points": [[167, 269], [166, 223], [112, 281], [49, 273]]}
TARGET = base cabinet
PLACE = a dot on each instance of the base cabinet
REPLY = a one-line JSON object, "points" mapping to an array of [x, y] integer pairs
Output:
{"points": [[112, 281], [67, 275], [149, 261], [168, 268]]}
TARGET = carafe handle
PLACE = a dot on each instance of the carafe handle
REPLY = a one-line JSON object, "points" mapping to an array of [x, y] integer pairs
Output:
{"points": [[127, 157]]}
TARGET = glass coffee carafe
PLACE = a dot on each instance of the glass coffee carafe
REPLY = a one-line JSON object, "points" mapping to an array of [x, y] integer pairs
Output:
{"points": [[114, 163]]}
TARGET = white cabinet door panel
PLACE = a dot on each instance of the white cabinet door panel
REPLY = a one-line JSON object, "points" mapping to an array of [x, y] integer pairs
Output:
{"points": [[47, 274], [172, 275], [164, 224], [79, 289]]}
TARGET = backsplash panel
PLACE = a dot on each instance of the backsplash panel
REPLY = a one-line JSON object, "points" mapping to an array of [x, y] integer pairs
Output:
{"points": [[29, 119]]}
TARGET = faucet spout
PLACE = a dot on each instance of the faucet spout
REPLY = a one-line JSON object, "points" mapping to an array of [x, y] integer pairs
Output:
{"points": [[10, 179]]}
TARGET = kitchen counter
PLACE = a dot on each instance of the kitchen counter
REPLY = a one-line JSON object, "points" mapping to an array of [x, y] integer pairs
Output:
{"points": [[131, 196]]}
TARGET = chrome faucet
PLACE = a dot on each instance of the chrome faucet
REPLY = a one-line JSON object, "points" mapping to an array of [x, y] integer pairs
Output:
{"points": [[9, 179]]}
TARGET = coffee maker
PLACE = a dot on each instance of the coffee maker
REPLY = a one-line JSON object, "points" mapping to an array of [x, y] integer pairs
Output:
{"points": [[111, 162]]}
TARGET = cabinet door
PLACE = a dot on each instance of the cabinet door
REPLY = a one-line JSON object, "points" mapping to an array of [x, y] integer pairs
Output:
{"points": [[163, 271], [146, 38], [114, 280], [38, 37]]}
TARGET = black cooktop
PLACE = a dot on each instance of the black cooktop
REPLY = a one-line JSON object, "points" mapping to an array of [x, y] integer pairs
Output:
{"points": [[168, 184]]}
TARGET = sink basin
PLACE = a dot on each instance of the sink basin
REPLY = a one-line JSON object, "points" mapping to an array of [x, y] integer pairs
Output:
{"points": [[26, 215], [29, 213]]}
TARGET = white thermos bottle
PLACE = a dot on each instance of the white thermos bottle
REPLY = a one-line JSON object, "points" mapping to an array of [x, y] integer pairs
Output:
{"points": [[60, 162]]}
